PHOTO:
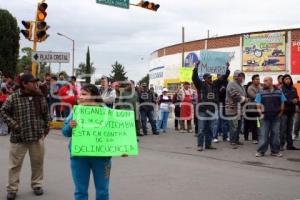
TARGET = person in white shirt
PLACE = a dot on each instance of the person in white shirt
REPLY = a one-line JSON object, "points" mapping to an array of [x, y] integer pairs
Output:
{"points": [[164, 103]]}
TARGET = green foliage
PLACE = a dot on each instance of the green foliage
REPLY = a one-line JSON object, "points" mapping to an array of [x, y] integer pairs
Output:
{"points": [[145, 79], [98, 81], [86, 68], [118, 73], [25, 60], [65, 75], [9, 43]]}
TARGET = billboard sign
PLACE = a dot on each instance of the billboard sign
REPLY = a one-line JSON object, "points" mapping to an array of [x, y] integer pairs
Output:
{"points": [[295, 58], [264, 52]]}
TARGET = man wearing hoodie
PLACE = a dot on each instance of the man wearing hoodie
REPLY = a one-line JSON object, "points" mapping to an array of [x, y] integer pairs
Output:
{"points": [[207, 113], [235, 97], [287, 119]]}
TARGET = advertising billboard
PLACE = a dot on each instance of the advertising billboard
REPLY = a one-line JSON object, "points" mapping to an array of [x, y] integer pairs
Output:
{"points": [[264, 52], [295, 58]]}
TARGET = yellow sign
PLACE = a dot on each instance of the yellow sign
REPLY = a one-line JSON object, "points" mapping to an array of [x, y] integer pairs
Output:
{"points": [[186, 74]]}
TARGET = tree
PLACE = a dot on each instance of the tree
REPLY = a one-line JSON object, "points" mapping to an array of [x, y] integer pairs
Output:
{"points": [[145, 79], [98, 81], [86, 68], [43, 69], [25, 60], [118, 73], [64, 73], [9, 40]]}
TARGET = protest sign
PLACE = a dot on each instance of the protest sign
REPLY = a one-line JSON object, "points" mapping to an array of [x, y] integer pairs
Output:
{"points": [[213, 62], [186, 74], [102, 131]]}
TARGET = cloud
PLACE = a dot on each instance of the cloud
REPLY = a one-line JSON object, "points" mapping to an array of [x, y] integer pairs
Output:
{"points": [[129, 36]]}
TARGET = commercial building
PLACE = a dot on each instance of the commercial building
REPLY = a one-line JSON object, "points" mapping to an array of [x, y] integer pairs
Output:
{"points": [[268, 53]]}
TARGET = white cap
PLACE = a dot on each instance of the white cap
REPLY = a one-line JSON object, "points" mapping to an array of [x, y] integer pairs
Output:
{"points": [[165, 90]]}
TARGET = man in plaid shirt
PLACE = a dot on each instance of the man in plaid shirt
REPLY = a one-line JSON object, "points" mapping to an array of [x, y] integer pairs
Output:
{"points": [[26, 113]]}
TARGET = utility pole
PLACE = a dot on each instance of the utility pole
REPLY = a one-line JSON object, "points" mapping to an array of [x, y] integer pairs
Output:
{"points": [[183, 49]]}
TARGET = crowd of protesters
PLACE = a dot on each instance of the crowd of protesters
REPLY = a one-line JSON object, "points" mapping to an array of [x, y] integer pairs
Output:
{"points": [[216, 108]]}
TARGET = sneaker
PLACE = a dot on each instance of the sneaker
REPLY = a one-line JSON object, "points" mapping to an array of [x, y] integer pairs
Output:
{"points": [[190, 131], [181, 131], [38, 191], [292, 148], [140, 135], [254, 142], [281, 148], [156, 133], [276, 154], [176, 129], [215, 140], [200, 149], [11, 196], [258, 154], [164, 131]]}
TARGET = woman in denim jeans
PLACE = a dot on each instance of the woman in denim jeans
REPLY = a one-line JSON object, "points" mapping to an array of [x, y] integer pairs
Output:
{"points": [[164, 110], [82, 167]]}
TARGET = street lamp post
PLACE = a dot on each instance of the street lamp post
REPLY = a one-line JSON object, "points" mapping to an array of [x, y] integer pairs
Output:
{"points": [[73, 49]]}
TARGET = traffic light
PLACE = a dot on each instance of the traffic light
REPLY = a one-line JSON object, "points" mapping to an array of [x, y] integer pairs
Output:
{"points": [[149, 5], [28, 32], [41, 34], [41, 26], [41, 12]]}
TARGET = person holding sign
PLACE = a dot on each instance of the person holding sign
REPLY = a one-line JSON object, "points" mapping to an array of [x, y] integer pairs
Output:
{"points": [[82, 166], [208, 96]]}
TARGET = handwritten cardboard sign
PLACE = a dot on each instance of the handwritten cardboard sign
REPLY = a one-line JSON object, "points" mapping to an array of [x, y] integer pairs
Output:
{"points": [[213, 62], [186, 74], [103, 132]]}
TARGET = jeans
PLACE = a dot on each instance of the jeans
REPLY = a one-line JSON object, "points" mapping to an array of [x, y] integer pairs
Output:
{"points": [[150, 115], [297, 124], [177, 116], [250, 126], [286, 130], [235, 126], [220, 125], [3, 127], [66, 111], [81, 169], [269, 134], [205, 128], [162, 120]]}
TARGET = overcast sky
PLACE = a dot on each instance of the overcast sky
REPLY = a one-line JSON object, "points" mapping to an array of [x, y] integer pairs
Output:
{"points": [[130, 36]]}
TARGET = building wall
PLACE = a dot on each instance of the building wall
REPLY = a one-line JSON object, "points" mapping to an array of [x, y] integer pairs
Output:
{"points": [[170, 57]]}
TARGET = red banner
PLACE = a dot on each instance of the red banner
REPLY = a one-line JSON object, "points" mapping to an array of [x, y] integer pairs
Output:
{"points": [[295, 58]]}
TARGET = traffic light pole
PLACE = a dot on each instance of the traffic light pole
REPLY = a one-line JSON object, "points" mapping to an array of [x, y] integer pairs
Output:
{"points": [[34, 46]]}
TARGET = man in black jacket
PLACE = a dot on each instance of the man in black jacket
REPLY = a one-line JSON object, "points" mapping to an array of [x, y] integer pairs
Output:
{"points": [[287, 119], [147, 107], [207, 96], [221, 123]]}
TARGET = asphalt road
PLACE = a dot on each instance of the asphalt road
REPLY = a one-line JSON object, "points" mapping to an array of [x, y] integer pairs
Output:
{"points": [[170, 168]]}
